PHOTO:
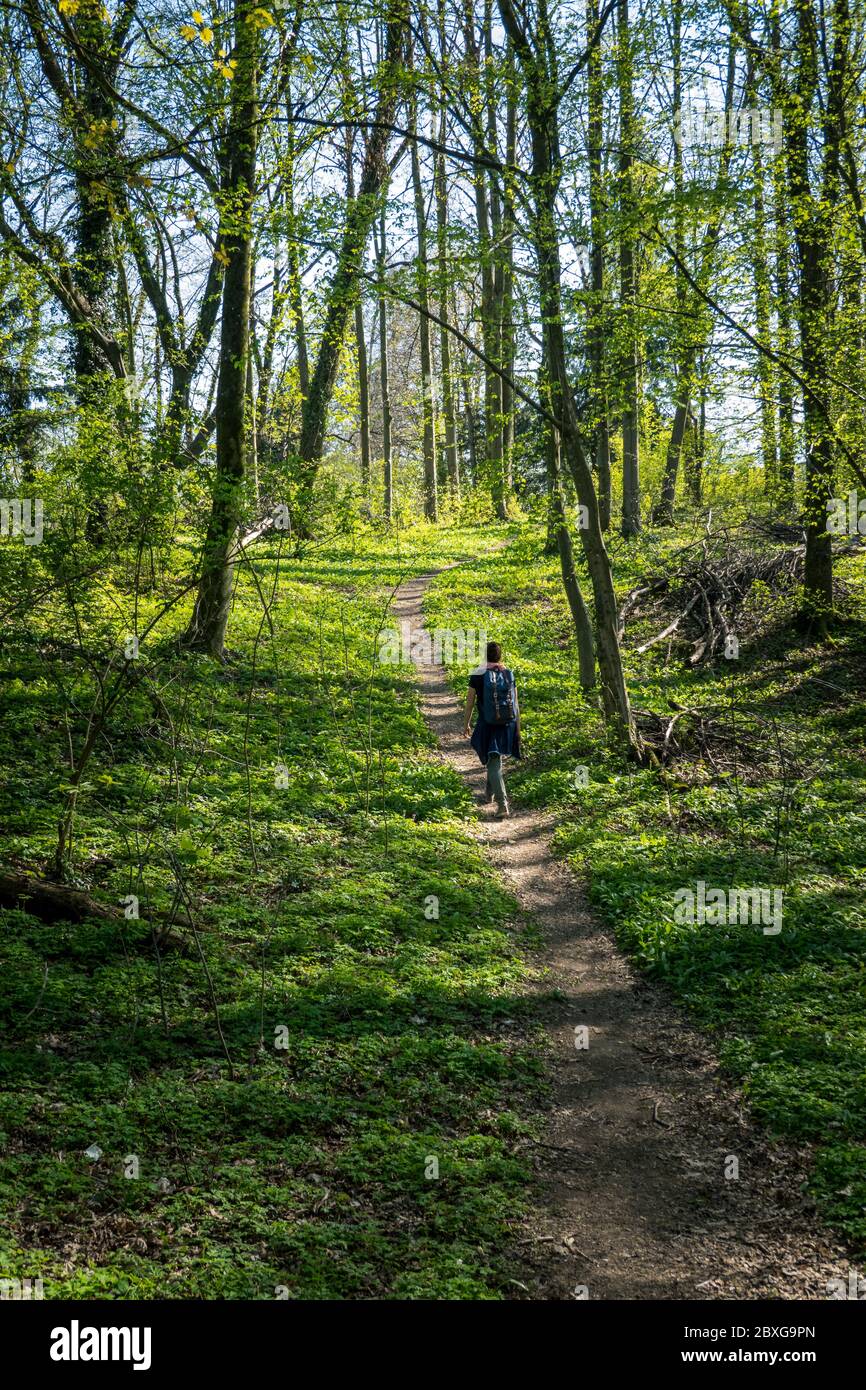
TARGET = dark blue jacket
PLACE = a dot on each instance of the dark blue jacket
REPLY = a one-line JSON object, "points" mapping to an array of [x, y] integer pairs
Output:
{"points": [[492, 738]]}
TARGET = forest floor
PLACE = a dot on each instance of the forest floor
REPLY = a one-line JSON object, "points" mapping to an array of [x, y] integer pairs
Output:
{"points": [[312, 1085], [638, 1201]]}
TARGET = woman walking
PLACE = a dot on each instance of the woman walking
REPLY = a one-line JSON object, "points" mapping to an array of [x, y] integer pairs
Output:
{"points": [[497, 729]]}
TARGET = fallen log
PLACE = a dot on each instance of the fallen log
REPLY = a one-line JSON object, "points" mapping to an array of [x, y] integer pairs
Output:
{"points": [[53, 902], [59, 902]]}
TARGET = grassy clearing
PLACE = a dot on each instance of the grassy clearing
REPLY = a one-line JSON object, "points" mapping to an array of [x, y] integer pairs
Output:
{"points": [[367, 1037], [789, 1011]]}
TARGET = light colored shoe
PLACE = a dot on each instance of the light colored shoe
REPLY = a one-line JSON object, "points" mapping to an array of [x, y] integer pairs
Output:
{"points": [[504, 812]]}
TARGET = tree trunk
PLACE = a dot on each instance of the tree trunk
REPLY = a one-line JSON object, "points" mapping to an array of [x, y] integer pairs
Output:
{"points": [[595, 316], [360, 353], [695, 465], [663, 512], [360, 217], [489, 331], [842, 113], [692, 330], [470, 419], [94, 269], [266, 375], [812, 235], [763, 302], [363, 402], [206, 631], [538, 66], [499, 388], [252, 433], [452, 462], [384, 384], [428, 416], [506, 316], [630, 364], [561, 536]]}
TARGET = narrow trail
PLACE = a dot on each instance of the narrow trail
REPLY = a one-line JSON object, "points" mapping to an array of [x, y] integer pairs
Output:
{"points": [[634, 1199]]}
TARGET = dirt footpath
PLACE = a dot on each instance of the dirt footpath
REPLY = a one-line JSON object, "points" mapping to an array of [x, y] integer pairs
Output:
{"points": [[634, 1198]]}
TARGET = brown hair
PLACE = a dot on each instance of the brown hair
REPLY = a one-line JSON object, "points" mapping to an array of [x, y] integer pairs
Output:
{"points": [[494, 651]]}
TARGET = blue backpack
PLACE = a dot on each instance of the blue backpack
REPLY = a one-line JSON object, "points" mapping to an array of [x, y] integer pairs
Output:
{"points": [[499, 703]]}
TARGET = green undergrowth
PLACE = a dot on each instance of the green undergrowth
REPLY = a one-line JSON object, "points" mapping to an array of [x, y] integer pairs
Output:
{"points": [[781, 803], [317, 1082]]}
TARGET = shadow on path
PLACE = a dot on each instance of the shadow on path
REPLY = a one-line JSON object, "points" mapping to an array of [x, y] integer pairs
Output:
{"points": [[634, 1202]]}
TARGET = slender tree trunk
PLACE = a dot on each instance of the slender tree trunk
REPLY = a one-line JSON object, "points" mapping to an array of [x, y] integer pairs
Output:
{"points": [[266, 375], [695, 464], [693, 330], [496, 426], [570, 583], [452, 462], [296, 302], [553, 465], [253, 432], [595, 325], [842, 114], [340, 301], [486, 257], [449, 448], [763, 302], [428, 415], [783, 253], [812, 239], [852, 361], [663, 512], [20, 430], [384, 383], [539, 71], [443, 272], [363, 402], [509, 227], [360, 351], [470, 418], [630, 366], [94, 269], [81, 66], [787, 468], [207, 626]]}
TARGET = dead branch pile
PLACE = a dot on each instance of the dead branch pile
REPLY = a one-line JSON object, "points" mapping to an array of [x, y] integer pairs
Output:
{"points": [[726, 741], [702, 598]]}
